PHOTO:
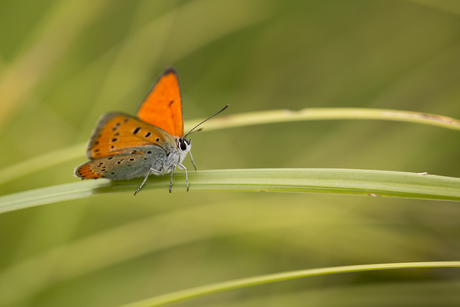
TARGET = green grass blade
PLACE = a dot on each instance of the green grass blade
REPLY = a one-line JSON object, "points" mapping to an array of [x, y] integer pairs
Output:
{"points": [[331, 181], [279, 116], [253, 281]]}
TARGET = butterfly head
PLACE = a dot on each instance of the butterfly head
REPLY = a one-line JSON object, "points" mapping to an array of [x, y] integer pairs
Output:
{"points": [[184, 145], [183, 148]]}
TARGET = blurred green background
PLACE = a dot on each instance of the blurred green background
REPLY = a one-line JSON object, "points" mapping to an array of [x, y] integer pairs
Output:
{"points": [[64, 63]]}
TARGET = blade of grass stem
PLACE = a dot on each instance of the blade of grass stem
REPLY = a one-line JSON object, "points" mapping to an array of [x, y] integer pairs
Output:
{"points": [[328, 181], [258, 280]]}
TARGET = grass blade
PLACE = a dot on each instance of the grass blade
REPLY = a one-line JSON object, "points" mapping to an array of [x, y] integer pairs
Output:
{"points": [[258, 280], [329, 181]]}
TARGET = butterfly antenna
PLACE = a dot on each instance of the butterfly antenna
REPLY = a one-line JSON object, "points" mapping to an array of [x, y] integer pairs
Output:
{"points": [[197, 130], [205, 121]]}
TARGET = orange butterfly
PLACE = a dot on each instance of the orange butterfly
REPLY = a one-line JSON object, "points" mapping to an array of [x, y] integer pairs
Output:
{"points": [[124, 147]]}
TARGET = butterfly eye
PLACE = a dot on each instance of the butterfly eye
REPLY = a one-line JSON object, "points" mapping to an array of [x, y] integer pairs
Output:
{"points": [[183, 144]]}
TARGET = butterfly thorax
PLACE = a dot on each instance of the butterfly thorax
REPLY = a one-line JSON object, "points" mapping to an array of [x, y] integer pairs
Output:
{"points": [[174, 157]]}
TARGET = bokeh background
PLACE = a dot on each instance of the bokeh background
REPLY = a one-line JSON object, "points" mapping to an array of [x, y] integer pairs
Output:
{"points": [[64, 63]]}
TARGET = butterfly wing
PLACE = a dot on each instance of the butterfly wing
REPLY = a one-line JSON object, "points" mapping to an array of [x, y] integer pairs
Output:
{"points": [[163, 106], [123, 166], [118, 133]]}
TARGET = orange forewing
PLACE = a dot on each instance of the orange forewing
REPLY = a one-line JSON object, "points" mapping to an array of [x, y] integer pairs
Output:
{"points": [[121, 133], [163, 107]]}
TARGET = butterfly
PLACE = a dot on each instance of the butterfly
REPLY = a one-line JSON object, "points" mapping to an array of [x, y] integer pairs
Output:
{"points": [[125, 147]]}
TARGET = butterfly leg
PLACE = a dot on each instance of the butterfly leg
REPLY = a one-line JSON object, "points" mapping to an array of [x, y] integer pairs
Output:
{"points": [[170, 181], [191, 158], [186, 175], [142, 184], [145, 179]]}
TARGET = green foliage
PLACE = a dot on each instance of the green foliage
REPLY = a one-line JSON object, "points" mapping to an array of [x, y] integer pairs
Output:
{"points": [[64, 63]]}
